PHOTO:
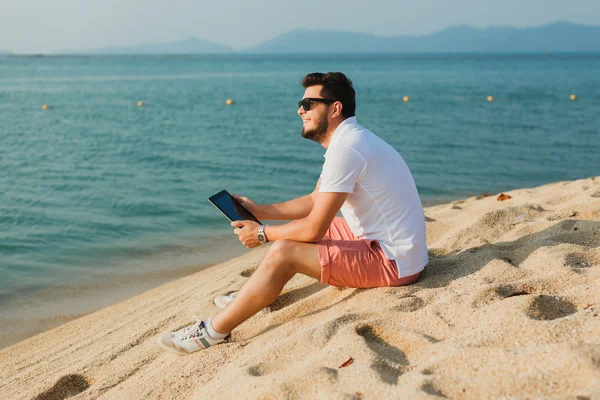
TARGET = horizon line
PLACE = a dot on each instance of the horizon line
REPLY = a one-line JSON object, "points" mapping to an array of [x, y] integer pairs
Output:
{"points": [[323, 54]]}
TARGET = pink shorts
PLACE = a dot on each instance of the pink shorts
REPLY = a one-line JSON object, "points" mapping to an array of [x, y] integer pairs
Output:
{"points": [[347, 261]]}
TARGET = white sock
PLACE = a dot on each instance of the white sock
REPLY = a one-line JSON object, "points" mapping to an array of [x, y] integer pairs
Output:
{"points": [[212, 332]]}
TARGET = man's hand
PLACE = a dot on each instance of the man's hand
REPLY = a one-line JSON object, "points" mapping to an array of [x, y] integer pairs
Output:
{"points": [[247, 231], [248, 205]]}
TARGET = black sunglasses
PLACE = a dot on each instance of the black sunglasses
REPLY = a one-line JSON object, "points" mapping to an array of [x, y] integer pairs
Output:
{"points": [[305, 103]]}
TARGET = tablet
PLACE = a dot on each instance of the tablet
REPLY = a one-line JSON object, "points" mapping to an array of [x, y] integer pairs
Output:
{"points": [[230, 207]]}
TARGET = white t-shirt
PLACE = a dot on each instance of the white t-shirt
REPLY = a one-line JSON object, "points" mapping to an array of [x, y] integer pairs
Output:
{"points": [[383, 203]]}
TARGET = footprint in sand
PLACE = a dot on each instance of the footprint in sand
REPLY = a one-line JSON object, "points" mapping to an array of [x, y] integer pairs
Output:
{"points": [[324, 332], [410, 304], [578, 261], [67, 386], [329, 329], [498, 292], [430, 388], [489, 227], [546, 308], [260, 369], [391, 362]]}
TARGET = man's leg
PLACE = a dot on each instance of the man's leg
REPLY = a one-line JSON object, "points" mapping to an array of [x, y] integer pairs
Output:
{"points": [[284, 259]]}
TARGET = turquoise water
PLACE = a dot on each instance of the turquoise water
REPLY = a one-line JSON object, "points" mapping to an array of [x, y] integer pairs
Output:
{"points": [[96, 186]]}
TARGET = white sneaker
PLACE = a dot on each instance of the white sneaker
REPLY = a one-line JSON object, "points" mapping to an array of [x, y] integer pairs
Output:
{"points": [[224, 300], [189, 339]]}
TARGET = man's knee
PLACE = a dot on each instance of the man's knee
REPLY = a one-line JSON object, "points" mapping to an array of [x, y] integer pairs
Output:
{"points": [[282, 250], [279, 259], [291, 257]]}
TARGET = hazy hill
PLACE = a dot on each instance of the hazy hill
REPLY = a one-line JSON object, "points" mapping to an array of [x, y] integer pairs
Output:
{"points": [[556, 37]]}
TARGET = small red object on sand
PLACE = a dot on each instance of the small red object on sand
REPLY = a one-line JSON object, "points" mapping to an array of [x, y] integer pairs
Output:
{"points": [[502, 197], [348, 362]]}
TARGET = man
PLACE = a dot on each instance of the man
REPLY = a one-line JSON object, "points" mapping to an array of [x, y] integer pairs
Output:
{"points": [[380, 241]]}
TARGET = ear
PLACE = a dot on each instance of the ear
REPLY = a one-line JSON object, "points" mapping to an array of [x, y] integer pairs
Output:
{"points": [[337, 109]]}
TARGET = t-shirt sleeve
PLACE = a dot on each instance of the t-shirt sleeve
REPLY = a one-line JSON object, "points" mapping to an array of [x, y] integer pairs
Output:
{"points": [[341, 170]]}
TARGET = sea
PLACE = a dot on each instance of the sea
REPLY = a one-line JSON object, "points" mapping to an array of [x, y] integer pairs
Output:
{"points": [[101, 199]]}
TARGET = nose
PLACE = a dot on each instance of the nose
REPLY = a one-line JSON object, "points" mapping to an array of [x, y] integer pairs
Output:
{"points": [[301, 110]]}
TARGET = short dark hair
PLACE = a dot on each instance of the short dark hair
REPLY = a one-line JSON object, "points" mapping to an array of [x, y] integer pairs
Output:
{"points": [[336, 86]]}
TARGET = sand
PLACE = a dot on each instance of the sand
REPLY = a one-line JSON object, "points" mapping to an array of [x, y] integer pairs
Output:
{"points": [[508, 308]]}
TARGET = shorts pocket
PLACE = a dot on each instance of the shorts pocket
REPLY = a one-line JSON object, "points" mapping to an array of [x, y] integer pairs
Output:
{"points": [[376, 250]]}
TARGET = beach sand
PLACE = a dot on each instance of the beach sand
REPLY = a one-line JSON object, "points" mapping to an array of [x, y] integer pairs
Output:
{"points": [[508, 307]]}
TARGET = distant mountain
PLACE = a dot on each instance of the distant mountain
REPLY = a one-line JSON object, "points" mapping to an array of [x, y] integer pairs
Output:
{"points": [[556, 37], [191, 45]]}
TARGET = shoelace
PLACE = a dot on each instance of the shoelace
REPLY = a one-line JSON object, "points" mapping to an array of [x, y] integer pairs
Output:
{"points": [[193, 330]]}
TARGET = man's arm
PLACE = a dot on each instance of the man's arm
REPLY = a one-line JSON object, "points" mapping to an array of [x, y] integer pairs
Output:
{"points": [[314, 226], [289, 210]]}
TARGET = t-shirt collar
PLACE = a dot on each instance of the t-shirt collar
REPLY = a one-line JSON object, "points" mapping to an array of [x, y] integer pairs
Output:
{"points": [[341, 127]]}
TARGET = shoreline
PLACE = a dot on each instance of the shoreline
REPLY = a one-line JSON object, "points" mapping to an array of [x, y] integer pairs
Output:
{"points": [[508, 307], [42, 309], [48, 308]]}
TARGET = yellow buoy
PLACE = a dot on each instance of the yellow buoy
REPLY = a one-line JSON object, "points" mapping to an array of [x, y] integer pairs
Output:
{"points": [[573, 97], [45, 107], [140, 103], [406, 99], [229, 102], [490, 98]]}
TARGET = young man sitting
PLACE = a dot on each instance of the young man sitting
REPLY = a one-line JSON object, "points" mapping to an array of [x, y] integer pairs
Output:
{"points": [[380, 241]]}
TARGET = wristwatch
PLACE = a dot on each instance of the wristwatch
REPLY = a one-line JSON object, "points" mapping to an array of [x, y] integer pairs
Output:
{"points": [[261, 234]]}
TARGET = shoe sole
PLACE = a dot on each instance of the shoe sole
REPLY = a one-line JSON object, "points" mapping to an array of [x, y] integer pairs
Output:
{"points": [[170, 349]]}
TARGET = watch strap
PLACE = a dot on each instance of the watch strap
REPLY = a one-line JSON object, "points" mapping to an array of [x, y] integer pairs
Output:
{"points": [[261, 232]]}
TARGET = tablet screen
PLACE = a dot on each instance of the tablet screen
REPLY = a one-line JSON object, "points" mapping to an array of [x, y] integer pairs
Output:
{"points": [[230, 207]]}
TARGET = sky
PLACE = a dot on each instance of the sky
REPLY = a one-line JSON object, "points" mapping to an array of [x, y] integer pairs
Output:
{"points": [[42, 26]]}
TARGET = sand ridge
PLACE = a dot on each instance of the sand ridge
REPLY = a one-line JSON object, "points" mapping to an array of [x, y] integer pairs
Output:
{"points": [[508, 307]]}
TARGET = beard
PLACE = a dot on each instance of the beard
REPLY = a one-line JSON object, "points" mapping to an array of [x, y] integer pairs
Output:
{"points": [[317, 133]]}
